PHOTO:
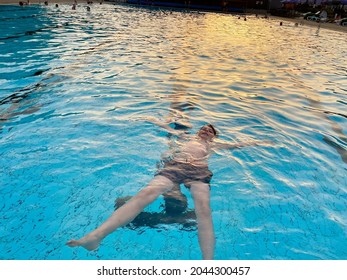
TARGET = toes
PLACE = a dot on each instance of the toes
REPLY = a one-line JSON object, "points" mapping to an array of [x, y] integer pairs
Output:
{"points": [[72, 243]]}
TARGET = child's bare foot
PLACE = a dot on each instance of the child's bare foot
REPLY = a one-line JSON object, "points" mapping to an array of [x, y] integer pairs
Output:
{"points": [[89, 242]]}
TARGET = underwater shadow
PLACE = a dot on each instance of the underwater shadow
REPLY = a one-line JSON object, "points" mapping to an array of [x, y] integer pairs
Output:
{"points": [[186, 219]]}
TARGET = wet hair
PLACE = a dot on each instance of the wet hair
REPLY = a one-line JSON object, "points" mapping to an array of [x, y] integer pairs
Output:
{"points": [[214, 130]]}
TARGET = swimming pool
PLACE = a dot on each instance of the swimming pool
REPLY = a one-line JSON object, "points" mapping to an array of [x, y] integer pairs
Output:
{"points": [[75, 88]]}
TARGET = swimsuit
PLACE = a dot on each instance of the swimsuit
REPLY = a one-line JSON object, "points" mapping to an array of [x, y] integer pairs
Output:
{"points": [[179, 172]]}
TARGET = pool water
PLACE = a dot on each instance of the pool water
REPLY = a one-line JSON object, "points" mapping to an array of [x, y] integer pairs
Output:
{"points": [[76, 86]]}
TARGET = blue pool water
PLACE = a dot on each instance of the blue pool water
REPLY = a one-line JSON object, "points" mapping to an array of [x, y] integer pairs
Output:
{"points": [[75, 88]]}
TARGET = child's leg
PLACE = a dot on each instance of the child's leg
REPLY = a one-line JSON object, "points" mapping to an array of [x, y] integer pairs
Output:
{"points": [[201, 196], [125, 214]]}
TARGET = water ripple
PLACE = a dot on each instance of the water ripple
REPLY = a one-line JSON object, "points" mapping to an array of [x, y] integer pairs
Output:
{"points": [[76, 87]]}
